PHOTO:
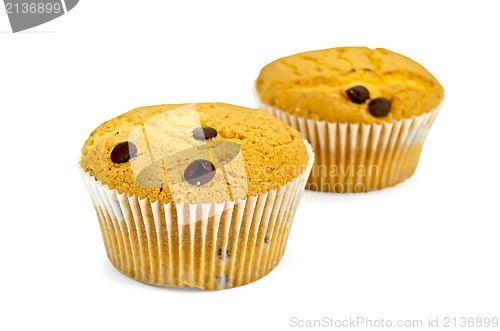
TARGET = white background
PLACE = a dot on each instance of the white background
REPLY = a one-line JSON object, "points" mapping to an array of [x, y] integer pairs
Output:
{"points": [[428, 247]]}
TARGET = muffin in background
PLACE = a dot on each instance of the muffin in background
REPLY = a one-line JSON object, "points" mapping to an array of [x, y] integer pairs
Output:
{"points": [[195, 195], [365, 112]]}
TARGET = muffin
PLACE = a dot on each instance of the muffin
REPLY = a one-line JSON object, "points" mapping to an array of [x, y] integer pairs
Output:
{"points": [[195, 195], [365, 112]]}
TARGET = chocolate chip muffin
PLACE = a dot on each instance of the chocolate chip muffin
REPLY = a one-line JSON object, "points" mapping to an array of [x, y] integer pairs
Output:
{"points": [[195, 195], [366, 112]]}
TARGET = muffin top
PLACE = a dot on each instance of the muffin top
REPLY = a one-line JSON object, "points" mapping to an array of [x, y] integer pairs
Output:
{"points": [[349, 85], [194, 153]]}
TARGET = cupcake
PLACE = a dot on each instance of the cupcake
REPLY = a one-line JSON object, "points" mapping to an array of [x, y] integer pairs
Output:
{"points": [[195, 195], [365, 112]]}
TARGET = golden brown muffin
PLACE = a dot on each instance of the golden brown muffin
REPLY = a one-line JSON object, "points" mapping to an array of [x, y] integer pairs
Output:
{"points": [[195, 195], [365, 112], [315, 85], [258, 151]]}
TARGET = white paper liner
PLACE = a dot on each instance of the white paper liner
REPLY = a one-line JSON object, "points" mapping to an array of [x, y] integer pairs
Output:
{"points": [[209, 246], [358, 157]]}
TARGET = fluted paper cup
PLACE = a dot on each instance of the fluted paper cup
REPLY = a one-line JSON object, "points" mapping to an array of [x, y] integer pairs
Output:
{"points": [[358, 157], [209, 246]]}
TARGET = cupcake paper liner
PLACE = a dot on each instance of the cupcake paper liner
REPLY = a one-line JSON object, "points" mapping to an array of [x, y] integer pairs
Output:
{"points": [[209, 246], [358, 157]]}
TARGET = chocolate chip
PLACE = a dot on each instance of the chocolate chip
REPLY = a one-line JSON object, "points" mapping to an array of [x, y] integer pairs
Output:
{"points": [[222, 254], [204, 133], [199, 172], [358, 94], [379, 107], [123, 152]]}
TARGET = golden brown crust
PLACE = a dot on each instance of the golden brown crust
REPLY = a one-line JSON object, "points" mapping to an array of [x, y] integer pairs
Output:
{"points": [[265, 153], [313, 84]]}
